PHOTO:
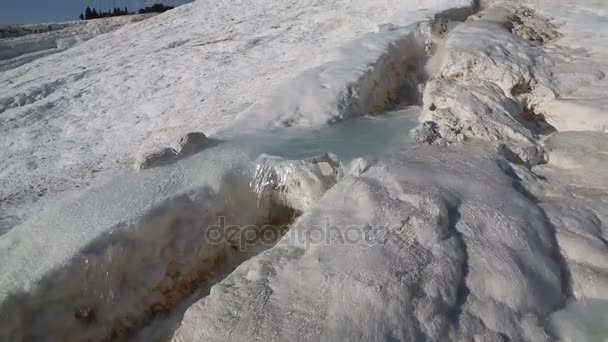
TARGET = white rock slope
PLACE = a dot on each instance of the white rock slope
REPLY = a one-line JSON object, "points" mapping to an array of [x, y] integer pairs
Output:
{"points": [[492, 227], [22, 44]]}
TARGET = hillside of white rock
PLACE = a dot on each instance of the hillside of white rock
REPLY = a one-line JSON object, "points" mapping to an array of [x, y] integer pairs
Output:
{"points": [[315, 170]]}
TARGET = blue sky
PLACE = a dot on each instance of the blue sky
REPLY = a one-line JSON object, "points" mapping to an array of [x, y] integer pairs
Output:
{"points": [[39, 11]]}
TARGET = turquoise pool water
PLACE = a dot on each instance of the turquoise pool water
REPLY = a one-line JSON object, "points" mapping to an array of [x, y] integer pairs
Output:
{"points": [[368, 136]]}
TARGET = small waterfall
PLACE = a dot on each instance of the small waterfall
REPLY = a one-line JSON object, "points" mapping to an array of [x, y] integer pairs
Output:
{"points": [[294, 184]]}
